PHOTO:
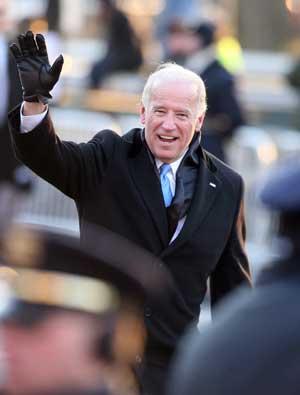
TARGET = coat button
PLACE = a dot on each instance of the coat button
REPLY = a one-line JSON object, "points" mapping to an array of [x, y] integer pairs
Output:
{"points": [[148, 312]]}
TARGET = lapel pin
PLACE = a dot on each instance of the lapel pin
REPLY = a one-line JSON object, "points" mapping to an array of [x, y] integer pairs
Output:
{"points": [[212, 184]]}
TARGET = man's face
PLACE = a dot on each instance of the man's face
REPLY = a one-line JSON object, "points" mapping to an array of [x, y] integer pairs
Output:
{"points": [[171, 119]]}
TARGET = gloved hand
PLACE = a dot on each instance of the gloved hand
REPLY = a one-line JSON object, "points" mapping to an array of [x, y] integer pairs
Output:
{"points": [[37, 76]]}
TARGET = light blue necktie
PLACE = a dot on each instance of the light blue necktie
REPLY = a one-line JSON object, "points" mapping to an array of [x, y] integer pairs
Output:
{"points": [[165, 183]]}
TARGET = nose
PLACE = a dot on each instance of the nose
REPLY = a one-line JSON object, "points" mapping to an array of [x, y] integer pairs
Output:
{"points": [[169, 122]]}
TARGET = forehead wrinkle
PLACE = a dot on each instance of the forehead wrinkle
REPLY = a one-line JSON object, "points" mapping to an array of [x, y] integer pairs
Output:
{"points": [[181, 109], [161, 88], [186, 105]]}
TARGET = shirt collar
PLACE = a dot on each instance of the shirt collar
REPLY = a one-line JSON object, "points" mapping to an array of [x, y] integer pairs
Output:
{"points": [[174, 165]]}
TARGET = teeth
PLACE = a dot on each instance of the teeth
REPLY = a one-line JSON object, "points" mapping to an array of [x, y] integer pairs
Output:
{"points": [[168, 137]]}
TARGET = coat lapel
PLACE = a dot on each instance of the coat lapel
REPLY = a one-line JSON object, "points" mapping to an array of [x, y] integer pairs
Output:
{"points": [[148, 186], [207, 188]]}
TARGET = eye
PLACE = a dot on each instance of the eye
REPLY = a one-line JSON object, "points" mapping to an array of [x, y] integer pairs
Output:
{"points": [[159, 111], [182, 115]]}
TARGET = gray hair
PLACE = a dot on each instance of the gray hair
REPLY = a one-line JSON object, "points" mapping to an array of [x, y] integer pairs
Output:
{"points": [[174, 72]]}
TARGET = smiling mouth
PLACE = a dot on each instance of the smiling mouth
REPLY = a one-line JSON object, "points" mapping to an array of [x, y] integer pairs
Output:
{"points": [[168, 139]]}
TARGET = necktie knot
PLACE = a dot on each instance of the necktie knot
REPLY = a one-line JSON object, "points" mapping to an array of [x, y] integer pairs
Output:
{"points": [[165, 183], [164, 169]]}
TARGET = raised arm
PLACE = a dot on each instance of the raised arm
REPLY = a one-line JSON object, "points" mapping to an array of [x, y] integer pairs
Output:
{"points": [[72, 168]]}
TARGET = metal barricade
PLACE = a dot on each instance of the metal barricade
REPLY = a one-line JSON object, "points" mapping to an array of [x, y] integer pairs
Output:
{"points": [[45, 205]]}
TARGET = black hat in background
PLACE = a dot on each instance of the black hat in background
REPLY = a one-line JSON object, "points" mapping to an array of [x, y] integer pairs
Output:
{"points": [[103, 257], [280, 191], [206, 31]]}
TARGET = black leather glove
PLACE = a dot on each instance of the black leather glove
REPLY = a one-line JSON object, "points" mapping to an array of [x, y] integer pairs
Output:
{"points": [[36, 75]]}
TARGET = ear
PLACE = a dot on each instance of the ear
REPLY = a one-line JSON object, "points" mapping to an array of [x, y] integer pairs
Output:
{"points": [[199, 122], [142, 115]]}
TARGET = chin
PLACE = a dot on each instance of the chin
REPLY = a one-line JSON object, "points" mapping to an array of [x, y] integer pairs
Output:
{"points": [[165, 159], [165, 156]]}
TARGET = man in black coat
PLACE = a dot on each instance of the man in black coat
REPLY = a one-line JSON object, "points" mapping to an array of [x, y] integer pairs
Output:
{"points": [[253, 346], [120, 183], [224, 112]]}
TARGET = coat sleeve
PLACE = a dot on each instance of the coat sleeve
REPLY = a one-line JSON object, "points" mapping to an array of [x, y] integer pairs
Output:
{"points": [[72, 168], [233, 268]]}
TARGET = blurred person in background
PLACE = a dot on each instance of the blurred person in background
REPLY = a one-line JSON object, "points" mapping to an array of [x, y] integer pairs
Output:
{"points": [[228, 49], [229, 52], [293, 75], [53, 15], [11, 170], [48, 23], [224, 113], [123, 47], [173, 19], [156, 186], [73, 321], [293, 79], [54, 41], [253, 345]]}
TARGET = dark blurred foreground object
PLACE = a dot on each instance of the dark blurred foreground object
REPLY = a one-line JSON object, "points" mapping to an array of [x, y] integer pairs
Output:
{"points": [[253, 346], [74, 322], [224, 113], [123, 47]]}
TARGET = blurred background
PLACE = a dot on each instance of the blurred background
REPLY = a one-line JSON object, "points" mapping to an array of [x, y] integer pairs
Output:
{"points": [[257, 41]]}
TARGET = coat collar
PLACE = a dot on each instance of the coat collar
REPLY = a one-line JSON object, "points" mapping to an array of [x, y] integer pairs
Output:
{"points": [[207, 188], [147, 182]]}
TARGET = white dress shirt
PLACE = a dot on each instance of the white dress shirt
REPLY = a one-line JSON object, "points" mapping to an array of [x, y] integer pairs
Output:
{"points": [[29, 122]]}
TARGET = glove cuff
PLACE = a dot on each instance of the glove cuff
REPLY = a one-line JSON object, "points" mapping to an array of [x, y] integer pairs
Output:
{"points": [[40, 97], [31, 98]]}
